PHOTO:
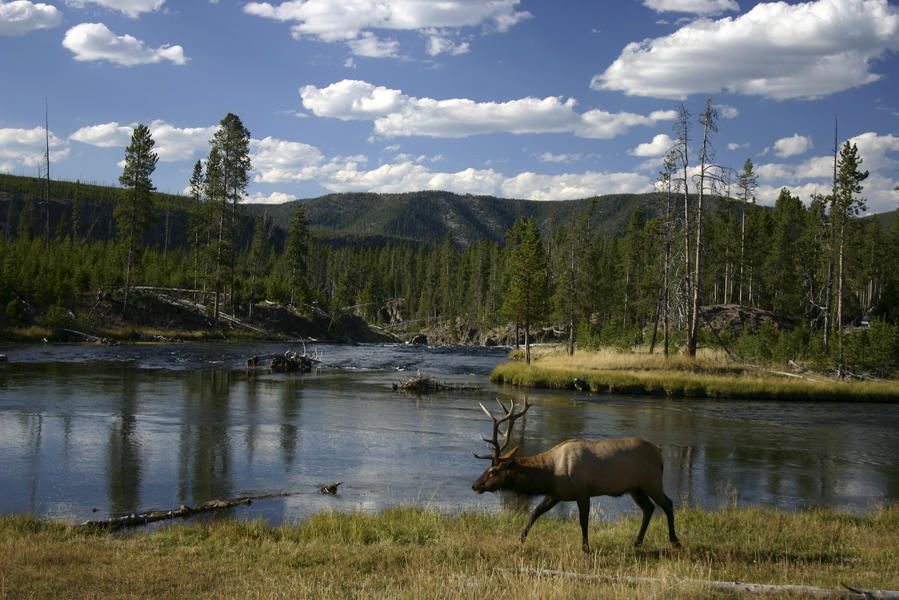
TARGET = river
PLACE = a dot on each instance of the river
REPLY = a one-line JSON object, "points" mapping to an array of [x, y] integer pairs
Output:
{"points": [[93, 431]]}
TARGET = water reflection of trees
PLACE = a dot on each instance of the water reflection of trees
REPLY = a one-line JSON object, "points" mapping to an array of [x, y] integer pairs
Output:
{"points": [[715, 456], [204, 452], [124, 449], [291, 400]]}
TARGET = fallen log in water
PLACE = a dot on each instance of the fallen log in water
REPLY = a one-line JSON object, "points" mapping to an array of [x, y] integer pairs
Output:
{"points": [[184, 511], [420, 383]]}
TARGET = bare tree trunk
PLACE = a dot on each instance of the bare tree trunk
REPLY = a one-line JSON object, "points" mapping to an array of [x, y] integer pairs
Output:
{"points": [[742, 252], [218, 264], [627, 285], [829, 295], [666, 273], [708, 120], [840, 279], [165, 246], [129, 261], [527, 342], [655, 328]]}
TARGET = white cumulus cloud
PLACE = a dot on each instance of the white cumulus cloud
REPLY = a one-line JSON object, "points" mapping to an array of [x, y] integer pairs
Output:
{"points": [[396, 114], [659, 146], [549, 157], [95, 41], [440, 43], [698, 7], [172, 143], [132, 8], [369, 45], [776, 50], [572, 186], [21, 16], [26, 147], [350, 21], [278, 161], [793, 146], [272, 198]]}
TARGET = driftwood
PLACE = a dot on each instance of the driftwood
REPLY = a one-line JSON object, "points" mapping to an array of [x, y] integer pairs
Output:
{"points": [[293, 362], [330, 489], [184, 511], [420, 383], [728, 586]]}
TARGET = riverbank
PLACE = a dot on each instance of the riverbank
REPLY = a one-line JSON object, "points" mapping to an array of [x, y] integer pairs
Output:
{"points": [[710, 376], [159, 317], [421, 554]]}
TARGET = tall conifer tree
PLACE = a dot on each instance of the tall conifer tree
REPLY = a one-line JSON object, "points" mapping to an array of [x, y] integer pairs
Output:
{"points": [[526, 300], [132, 213]]}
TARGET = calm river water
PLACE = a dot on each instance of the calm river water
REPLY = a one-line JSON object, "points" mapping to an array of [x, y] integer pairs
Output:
{"points": [[87, 432]]}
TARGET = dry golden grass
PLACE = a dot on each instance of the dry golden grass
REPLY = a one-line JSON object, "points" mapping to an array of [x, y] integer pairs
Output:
{"points": [[409, 553], [710, 375], [610, 359]]}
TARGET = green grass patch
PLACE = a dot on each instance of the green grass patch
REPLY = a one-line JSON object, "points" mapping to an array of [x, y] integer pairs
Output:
{"points": [[412, 553]]}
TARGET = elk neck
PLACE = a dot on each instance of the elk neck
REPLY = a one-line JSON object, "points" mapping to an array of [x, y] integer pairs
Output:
{"points": [[533, 475]]}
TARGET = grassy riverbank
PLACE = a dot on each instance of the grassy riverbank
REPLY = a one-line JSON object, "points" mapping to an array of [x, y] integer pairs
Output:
{"points": [[419, 554], [709, 376]]}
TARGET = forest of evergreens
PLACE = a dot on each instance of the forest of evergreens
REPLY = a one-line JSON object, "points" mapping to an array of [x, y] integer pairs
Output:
{"points": [[832, 277]]}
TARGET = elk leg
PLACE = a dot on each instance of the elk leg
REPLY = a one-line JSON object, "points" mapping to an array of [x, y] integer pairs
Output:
{"points": [[547, 503], [668, 506], [648, 507], [583, 509]]}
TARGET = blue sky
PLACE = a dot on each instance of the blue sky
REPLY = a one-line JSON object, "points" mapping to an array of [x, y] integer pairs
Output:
{"points": [[515, 98]]}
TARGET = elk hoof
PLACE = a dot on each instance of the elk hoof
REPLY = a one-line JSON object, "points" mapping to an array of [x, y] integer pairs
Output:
{"points": [[586, 548], [638, 543], [675, 543], [522, 538]]}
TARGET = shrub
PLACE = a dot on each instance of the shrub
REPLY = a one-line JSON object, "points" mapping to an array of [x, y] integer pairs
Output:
{"points": [[873, 350], [15, 313], [59, 316]]}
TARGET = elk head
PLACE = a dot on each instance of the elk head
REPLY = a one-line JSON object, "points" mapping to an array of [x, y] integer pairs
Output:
{"points": [[501, 469]]}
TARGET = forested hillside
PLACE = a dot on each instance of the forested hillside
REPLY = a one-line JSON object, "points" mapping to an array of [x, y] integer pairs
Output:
{"points": [[87, 212], [438, 257]]}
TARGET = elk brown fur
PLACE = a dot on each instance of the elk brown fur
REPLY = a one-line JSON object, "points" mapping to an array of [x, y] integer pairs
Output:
{"points": [[576, 470]]}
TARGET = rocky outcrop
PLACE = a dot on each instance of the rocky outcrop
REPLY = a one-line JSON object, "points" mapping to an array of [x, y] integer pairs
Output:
{"points": [[733, 320]]}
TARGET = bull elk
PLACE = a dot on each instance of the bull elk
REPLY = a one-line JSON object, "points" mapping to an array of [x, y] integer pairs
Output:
{"points": [[576, 470]]}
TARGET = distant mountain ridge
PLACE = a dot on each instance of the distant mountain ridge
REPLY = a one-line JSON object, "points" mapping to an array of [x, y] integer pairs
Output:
{"points": [[432, 215], [416, 217]]}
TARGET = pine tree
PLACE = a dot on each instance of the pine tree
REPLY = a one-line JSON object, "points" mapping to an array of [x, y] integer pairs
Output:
{"points": [[526, 299], [132, 213], [784, 272], [196, 222], [845, 205], [747, 183], [256, 259], [77, 212], [232, 142], [297, 256], [222, 241]]}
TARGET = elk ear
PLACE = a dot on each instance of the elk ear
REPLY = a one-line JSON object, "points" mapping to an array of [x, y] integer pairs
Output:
{"points": [[510, 454]]}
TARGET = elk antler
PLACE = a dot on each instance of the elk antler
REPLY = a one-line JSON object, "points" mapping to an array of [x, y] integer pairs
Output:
{"points": [[510, 416]]}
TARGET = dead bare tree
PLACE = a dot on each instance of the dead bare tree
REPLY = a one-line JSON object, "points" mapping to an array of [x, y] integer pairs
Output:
{"points": [[682, 152], [711, 173]]}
